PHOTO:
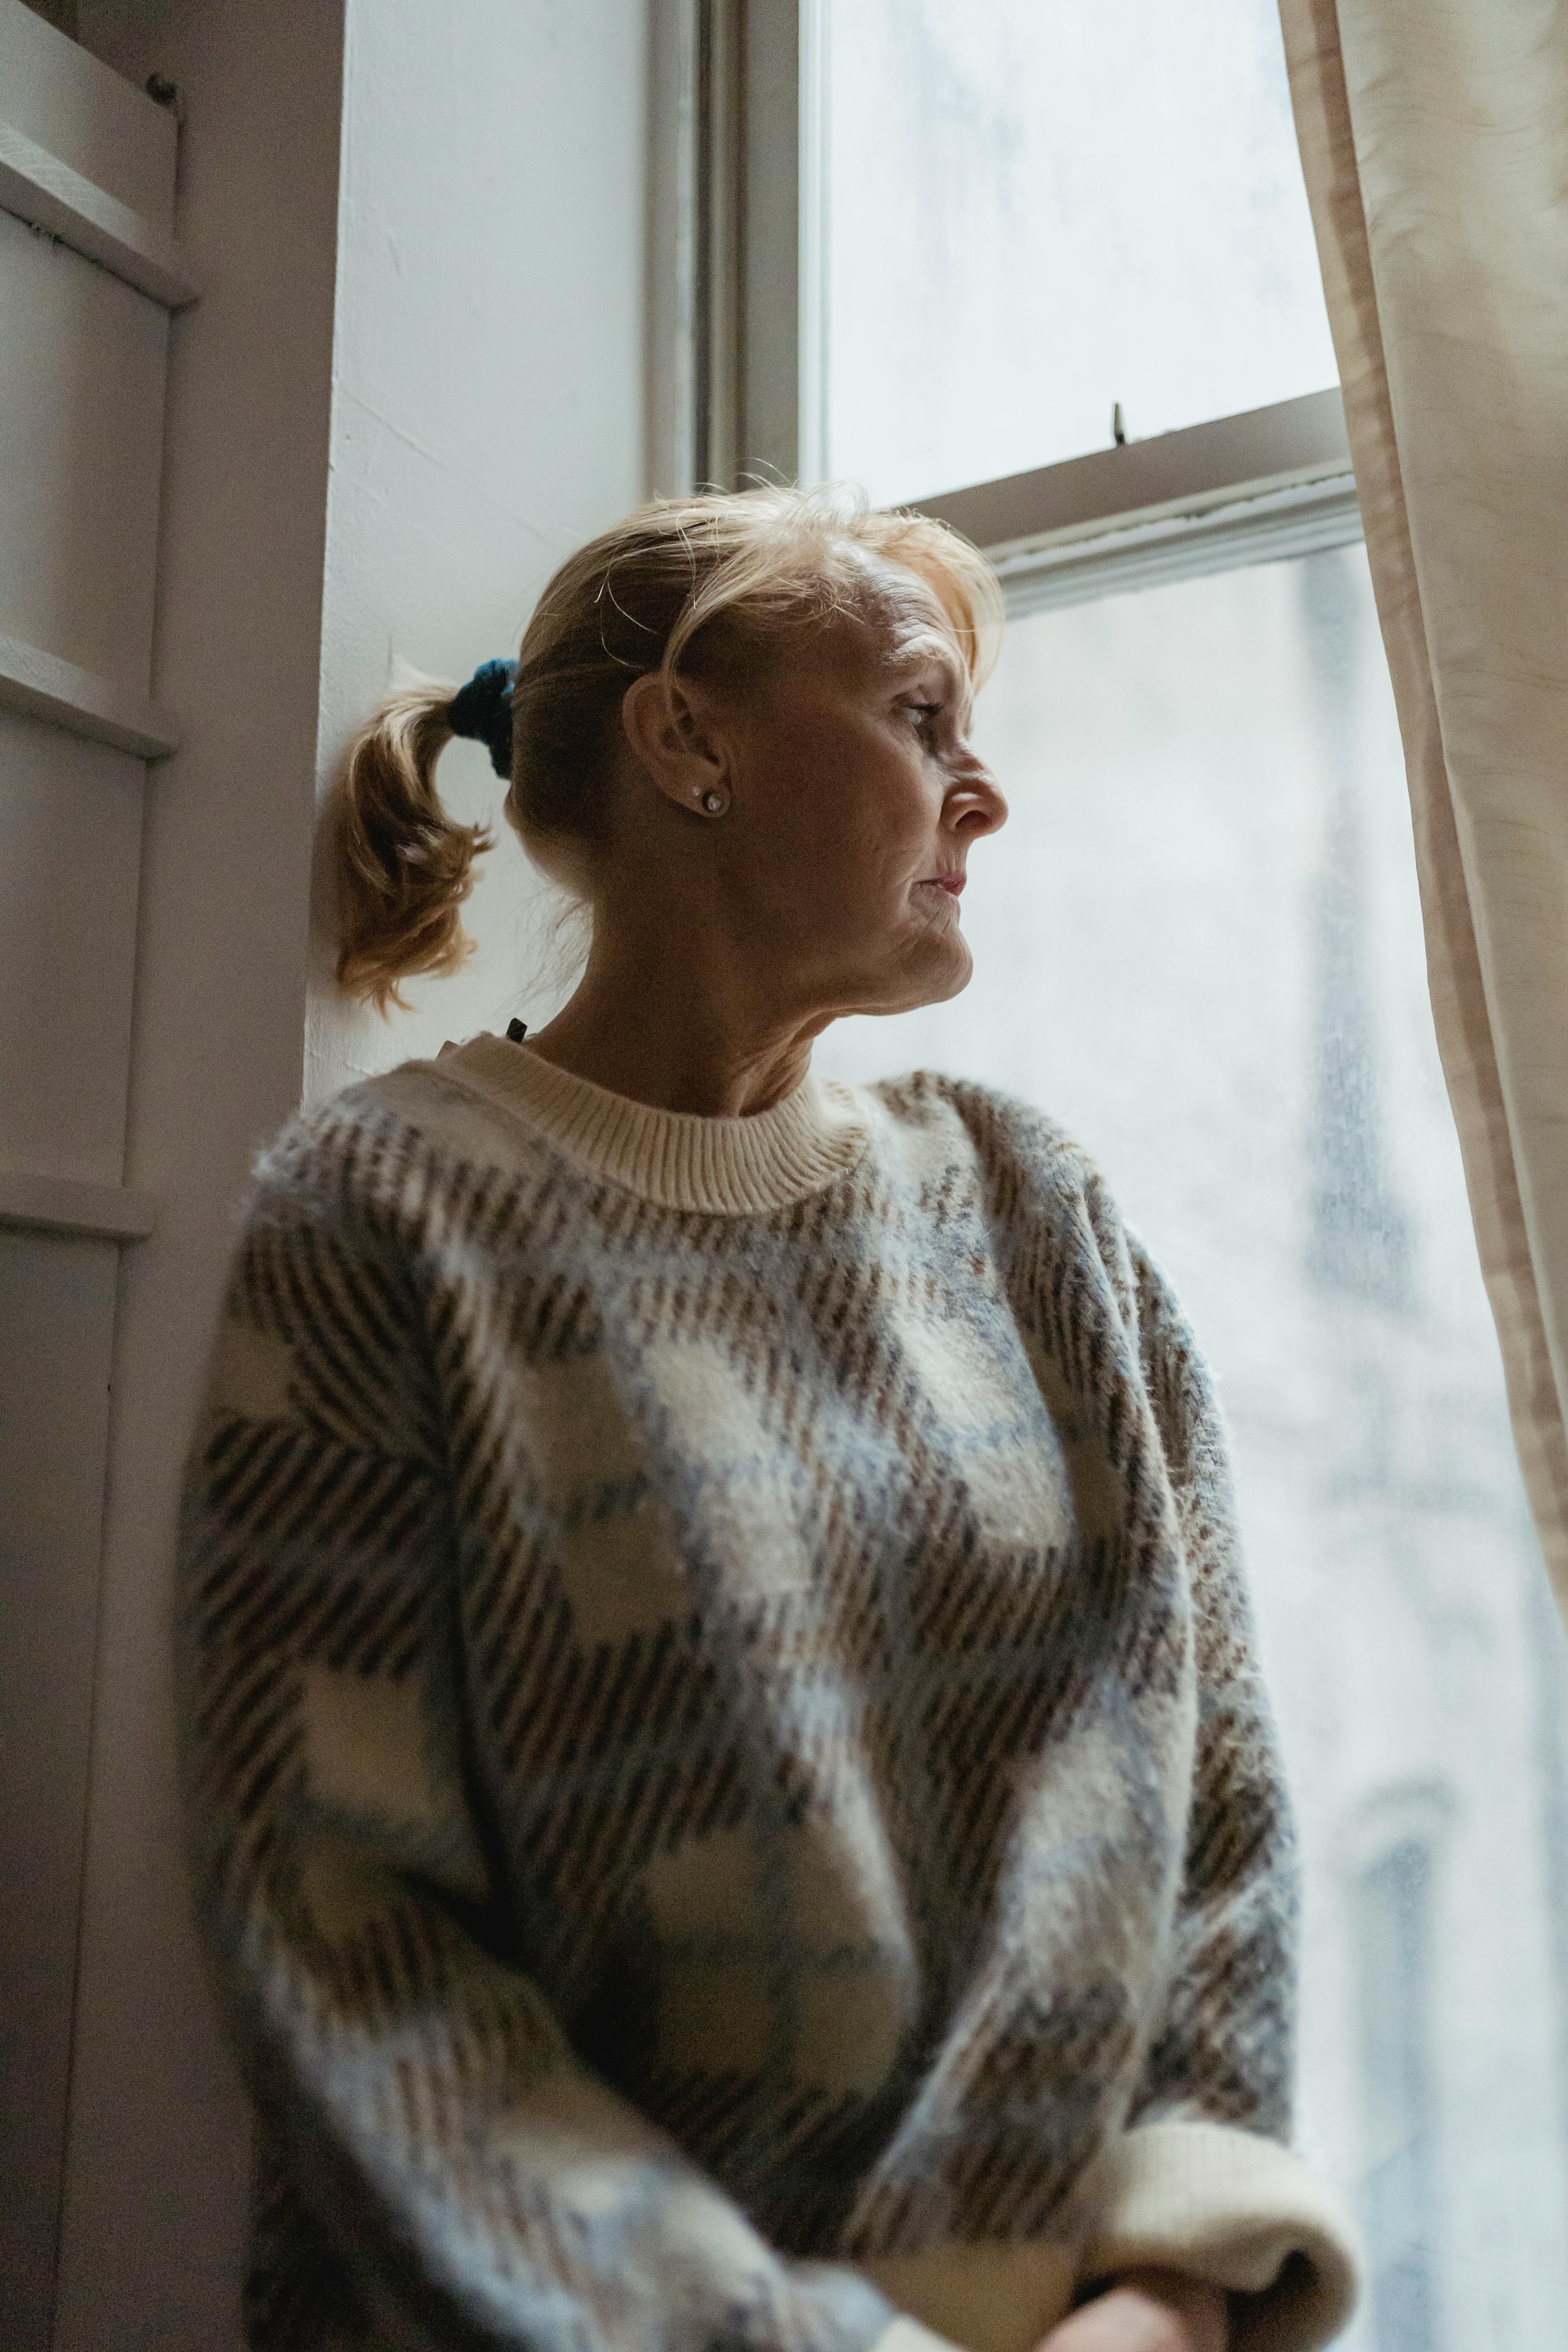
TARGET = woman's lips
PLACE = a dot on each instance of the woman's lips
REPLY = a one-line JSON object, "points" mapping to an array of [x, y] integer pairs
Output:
{"points": [[951, 883]]}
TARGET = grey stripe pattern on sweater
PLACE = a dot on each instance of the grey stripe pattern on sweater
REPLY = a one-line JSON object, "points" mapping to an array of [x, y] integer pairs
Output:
{"points": [[721, 1744]]}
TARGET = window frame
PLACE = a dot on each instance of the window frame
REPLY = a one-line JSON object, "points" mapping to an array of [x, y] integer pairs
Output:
{"points": [[739, 360], [734, 305], [1248, 488]]}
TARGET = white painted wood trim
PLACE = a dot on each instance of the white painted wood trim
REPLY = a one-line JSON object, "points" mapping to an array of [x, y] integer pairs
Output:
{"points": [[811, 267], [671, 388], [48, 194], [1256, 523], [64, 1205], [1253, 488], [1265, 448], [82, 702]]}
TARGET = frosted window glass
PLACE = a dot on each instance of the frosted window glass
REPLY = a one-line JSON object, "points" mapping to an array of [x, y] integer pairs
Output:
{"points": [[1198, 946], [1037, 207]]}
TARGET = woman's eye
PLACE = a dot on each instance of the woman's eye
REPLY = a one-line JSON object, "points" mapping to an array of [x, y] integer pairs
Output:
{"points": [[923, 713]]}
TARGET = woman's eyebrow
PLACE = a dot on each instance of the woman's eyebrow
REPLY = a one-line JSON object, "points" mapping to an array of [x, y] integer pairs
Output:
{"points": [[925, 652]]}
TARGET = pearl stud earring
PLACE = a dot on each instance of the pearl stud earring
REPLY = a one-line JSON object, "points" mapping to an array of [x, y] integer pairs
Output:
{"points": [[715, 802]]}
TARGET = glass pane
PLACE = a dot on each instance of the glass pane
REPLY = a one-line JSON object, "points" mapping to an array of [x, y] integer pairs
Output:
{"points": [[1037, 207], [1198, 945]]}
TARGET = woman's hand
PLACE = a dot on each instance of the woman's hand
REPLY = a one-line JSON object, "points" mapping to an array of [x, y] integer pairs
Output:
{"points": [[1146, 2311]]}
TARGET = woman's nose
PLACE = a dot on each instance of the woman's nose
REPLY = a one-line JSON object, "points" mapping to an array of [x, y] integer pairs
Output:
{"points": [[977, 805]]}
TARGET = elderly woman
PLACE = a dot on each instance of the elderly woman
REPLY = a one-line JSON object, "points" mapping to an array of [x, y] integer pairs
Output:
{"points": [[731, 1792]]}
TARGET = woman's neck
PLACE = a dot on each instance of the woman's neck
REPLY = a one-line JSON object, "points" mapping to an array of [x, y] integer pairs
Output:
{"points": [[655, 1030]]}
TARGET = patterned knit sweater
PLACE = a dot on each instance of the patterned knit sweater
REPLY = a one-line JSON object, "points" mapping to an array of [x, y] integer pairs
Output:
{"points": [[730, 1793]]}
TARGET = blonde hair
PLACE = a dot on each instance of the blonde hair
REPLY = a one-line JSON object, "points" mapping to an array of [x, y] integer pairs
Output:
{"points": [[710, 586]]}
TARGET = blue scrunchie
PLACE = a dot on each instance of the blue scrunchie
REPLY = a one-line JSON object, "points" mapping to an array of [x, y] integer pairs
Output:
{"points": [[482, 711]]}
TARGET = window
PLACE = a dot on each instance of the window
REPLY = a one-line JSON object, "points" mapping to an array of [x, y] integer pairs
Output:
{"points": [[1037, 211], [1394, 1968], [1200, 948]]}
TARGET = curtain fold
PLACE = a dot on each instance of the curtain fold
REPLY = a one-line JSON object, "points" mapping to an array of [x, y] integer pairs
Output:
{"points": [[1434, 138]]}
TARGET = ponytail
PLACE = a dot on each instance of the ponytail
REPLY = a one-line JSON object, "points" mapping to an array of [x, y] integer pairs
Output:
{"points": [[404, 866]]}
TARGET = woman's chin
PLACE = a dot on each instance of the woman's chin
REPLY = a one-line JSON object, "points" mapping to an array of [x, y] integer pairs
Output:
{"points": [[930, 979], [954, 970]]}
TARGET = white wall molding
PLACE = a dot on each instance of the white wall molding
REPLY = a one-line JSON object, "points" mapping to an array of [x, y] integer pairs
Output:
{"points": [[83, 703], [64, 1205], [50, 196]]}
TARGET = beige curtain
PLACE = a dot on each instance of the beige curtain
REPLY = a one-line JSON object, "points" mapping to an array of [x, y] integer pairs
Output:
{"points": [[1433, 137]]}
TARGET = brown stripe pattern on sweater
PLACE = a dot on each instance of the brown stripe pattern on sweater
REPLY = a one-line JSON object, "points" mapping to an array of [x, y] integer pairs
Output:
{"points": [[715, 1736]]}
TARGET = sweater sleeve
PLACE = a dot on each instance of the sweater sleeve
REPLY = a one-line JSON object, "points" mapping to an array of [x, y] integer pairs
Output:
{"points": [[468, 2182], [1203, 2180]]}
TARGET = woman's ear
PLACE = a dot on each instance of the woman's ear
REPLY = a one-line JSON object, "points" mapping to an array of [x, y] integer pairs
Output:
{"points": [[675, 739]]}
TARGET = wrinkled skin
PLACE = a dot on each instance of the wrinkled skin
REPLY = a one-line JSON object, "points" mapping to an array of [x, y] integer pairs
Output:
{"points": [[724, 945]]}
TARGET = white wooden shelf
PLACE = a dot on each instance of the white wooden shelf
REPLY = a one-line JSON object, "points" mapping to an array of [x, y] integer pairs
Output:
{"points": [[64, 1205], [41, 190], [83, 703]]}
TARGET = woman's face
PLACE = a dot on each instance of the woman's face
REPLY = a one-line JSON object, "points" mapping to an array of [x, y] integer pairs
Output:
{"points": [[855, 800]]}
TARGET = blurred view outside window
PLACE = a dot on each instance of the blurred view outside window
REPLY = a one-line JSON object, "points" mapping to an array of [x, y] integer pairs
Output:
{"points": [[1037, 207], [1198, 946]]}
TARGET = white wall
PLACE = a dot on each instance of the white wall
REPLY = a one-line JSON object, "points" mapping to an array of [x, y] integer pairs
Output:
{"points": [[403, 397], [488, 409]]}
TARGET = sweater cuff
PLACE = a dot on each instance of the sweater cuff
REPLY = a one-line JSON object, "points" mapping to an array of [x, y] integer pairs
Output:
{"points": [[1225, 2206]]}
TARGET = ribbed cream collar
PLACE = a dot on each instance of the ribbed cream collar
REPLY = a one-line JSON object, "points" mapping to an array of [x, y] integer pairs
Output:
{"points": [[726, 1167]]}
